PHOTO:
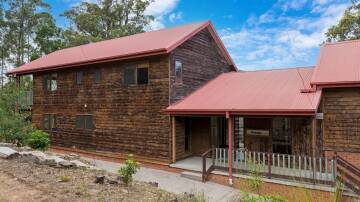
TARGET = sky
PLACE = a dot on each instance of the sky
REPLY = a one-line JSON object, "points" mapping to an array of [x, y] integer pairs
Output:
{"points": [[259, 34]]}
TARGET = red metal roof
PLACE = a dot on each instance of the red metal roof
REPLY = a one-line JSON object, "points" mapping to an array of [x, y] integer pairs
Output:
{"points": [[138, 45], [257, 92], [338, 64]]}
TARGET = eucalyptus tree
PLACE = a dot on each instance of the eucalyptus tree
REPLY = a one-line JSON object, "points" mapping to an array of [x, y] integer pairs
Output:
{"points": [[107, 19]]}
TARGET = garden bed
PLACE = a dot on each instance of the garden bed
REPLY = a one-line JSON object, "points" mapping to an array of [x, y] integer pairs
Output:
{"points": [[28, 181]]}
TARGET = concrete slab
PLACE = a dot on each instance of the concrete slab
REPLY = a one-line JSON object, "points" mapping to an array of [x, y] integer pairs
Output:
{"points": [[173, 182], [7, 152], [193, 163]]}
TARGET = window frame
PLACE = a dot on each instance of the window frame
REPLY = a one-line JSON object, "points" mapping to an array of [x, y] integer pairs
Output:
{"points": [[135, 68], [84, 118], [97, 76], [79, 77], [178, 80], [51, 122], [50, 82]]}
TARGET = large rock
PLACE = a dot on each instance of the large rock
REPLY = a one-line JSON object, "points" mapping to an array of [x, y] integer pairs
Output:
{"points": [[7, 152]]}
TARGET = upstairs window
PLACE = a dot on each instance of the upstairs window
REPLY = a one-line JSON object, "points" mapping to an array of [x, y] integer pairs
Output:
{"points": [[97, 75], [50, 82], [49, 121], [84, 122], [178, 72], [136, 74], [79, 76]]}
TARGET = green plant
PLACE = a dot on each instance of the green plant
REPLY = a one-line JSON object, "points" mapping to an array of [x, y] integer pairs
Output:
{"points": [[338, 191], [193, 197], [258, 198], [127, 171], [64, 178], [255, 181], [39, 140]]}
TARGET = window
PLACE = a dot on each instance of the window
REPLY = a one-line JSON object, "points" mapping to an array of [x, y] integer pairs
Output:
{"points": [[129, 75], [79, 75], [84, 122], [178, 72], [136, 74], [50, 82], [97, 75], [142, 75], [49, 121]]}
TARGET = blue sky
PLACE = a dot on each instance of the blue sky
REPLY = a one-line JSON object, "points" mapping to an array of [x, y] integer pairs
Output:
{"points": [[259, 34]]}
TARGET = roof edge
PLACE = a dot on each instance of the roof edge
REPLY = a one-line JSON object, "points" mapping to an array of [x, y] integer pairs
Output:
{"points": [[102, 60], [298, 112]]}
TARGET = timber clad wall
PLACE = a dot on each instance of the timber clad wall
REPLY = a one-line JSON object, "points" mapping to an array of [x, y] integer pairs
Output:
{"points": [[341, 125], [201, 60], [127, 119]]}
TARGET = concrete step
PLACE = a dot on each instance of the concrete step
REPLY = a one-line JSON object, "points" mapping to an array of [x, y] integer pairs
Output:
{"points": [[192, 175]]}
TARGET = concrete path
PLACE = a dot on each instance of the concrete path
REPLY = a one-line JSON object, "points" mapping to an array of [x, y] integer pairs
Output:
{"points": [[174, 183]]}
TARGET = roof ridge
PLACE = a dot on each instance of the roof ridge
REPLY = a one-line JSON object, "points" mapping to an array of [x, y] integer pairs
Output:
{"points": [[341, 42], [117, 38]]}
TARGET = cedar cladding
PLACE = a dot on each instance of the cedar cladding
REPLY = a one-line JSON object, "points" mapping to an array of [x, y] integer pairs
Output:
{"points": [[201, 60], [127, 119], [341, 125]]}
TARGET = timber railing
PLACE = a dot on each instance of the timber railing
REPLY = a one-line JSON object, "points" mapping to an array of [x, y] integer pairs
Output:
{"points": [[348, 174], [318, 170], [206, 171]]}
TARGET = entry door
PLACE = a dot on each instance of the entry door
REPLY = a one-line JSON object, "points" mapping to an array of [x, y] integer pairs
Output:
{"points": [[200, 135]]}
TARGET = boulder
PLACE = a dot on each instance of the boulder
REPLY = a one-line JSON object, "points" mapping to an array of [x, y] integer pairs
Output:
{"points": [[66, 164], [80, 164], [7, 152]]}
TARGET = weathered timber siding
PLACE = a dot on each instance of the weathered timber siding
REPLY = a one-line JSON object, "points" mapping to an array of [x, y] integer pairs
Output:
{"points": [[201, 60], [127, 119], [341, 124]]}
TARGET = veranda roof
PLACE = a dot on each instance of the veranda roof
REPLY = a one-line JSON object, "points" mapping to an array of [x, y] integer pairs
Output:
{"points": [[268, 92]]}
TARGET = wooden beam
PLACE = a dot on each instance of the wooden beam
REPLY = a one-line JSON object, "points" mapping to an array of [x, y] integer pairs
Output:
{"points": [[17, 85], [173, 132], [313, 136], [230, 129]]}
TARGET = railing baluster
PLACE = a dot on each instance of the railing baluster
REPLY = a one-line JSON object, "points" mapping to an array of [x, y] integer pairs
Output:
{"points": [[320, 168], [326, 168], [278, 160], [283, 159], [263, 158], [245, 160], [300, 166]]}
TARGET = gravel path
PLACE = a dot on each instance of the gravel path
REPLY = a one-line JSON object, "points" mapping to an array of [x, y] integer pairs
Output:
{"points": [[174, 183]]}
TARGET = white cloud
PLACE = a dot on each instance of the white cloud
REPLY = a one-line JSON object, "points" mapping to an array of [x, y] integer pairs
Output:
{"points": [[159, 9], [276, 39], [175, 16]]}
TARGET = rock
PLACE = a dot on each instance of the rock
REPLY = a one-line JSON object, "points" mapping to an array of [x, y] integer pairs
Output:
{"points": [[155, 184], [80, 164], [66, 164], [7, 153], [33, 156], [99, 179]]}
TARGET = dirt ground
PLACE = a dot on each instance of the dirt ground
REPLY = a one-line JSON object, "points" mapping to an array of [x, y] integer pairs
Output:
{"points": [[22, 181]]}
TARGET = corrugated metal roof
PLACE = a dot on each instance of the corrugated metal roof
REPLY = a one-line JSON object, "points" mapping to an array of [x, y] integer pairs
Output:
{"points": [[257, 92], [338, 63], [138, 45]]}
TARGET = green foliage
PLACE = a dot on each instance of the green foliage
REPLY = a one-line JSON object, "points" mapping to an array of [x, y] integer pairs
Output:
{"points": [[130, 168], [65, 178], [39, 140], [265, 198], [193, 197], [348, 27], [255, 181], [107, 19], [338, 192], [14, 127]]}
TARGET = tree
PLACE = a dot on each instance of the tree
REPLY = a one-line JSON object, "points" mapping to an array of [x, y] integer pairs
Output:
{"points": [[4, 46], [91, 22], [32, 30], [348, 27]]}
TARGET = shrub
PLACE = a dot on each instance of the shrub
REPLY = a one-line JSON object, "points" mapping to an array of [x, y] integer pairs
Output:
{"points": [[39, 140], [130, 168], [14, 130], [65, 178], [255, 181]]}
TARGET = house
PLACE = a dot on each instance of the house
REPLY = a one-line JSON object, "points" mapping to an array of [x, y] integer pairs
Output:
{"points": [[174, 94], [108, 97]]}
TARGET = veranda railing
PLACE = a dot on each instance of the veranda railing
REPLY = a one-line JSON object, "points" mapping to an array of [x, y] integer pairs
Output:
{"points": [[316, 169]]}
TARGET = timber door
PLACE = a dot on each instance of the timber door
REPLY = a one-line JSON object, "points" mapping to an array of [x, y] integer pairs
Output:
{"points": [[200, 135]]}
